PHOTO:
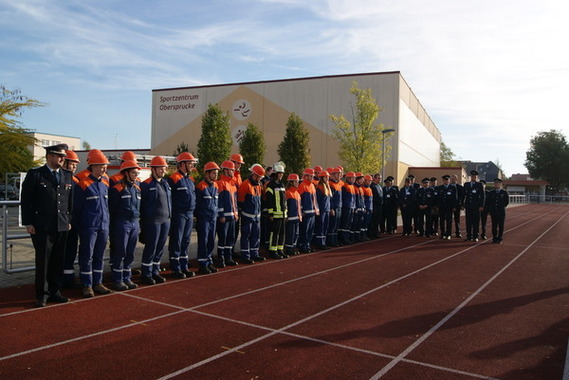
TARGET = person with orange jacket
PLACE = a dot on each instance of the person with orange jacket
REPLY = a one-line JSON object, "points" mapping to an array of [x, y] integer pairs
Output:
{"points": [[155, 214], [126, 156], [323, 197], [294, 215], [368, 206], [227, 215], [348, 209], [335, 205], [309, 207], [238, 161], [182, 221], [249, 202], [359, 211], [207, 194]]}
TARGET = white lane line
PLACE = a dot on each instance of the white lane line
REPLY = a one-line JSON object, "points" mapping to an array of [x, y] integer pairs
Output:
{"points": [[566, 369], [408, 350]]}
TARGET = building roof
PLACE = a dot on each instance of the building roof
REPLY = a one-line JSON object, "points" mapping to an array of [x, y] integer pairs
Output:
{"points": [[522, 182]]}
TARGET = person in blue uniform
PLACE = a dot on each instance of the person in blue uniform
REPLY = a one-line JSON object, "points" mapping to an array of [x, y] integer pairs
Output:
{"points": [[447, 202], [323, 198], [407, 205], [484, 214], [497, 201], [46, 201], [474, 198], [91, 218], [460, 207], [424, 199], [435, 209], [275, 203], [228, 215], [72, 242], [348, 209], [207, 195], [249, 202], [124, 205], [335, 206], [181, 223], [294, 214], [390, 203], [377, 193], [155, 213]]}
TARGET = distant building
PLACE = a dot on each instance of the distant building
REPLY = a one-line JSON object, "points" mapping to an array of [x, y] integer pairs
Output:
{"points": [[524, 184], [486, 170], [48, 139]]}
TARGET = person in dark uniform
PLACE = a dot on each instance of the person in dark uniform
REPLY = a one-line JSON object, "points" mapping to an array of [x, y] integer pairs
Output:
{"points": [[407, 205], [46, 202], [389, 212], [484, 214], [474, 197], [424, 198], [456, 213], [497, 201], [377, 192], [447, 201], [416, 186], [435, 208]]}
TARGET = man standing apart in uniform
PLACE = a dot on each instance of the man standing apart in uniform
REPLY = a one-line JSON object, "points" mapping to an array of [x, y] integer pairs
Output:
{"points": [[474, 198], [46, 205], [498, 200], [183, 205], [155, 213]]}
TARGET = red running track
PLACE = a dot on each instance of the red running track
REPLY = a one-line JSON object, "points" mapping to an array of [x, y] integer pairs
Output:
{"points": [[393, 308]]}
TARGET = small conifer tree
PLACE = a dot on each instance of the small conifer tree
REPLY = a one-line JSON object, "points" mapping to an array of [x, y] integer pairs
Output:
{"points": [[215, 141], [252, 148], [294, 150]]}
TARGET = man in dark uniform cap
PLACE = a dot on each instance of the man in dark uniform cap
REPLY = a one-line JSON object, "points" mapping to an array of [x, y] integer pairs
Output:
{"points": [[474, 198], [447, 201], [497, 201], [46, 207]]}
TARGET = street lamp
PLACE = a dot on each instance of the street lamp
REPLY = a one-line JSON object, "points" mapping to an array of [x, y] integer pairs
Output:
{"points": [[383, 149]]}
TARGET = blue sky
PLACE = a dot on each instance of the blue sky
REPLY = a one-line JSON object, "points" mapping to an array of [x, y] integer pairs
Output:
{"points": [[491, 74]]}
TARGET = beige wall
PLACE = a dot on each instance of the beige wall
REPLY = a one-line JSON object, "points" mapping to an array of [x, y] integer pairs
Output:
{"points": [[45, 139]]}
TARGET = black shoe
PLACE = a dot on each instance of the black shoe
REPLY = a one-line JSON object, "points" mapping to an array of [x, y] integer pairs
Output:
{"points": [[178, 274], [57, 298], [212, 269], [159, 279], [119, 286], [188, 273], [72, 285], [258, 258], [231, 263], [39, 303], [304, 250], [147, 280], [483, 237], [475, 240], [136, 272], [204, 270], [247, 261], [458, 235], [130, 284], [275, 256], [220, 264]]}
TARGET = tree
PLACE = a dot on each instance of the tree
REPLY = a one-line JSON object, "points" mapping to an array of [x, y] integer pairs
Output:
{"points": [[548, 159], [86, 145], [252, 148], [215, 141], [181, 148], [294, 150], [447, 157], [15, 156], [361, 138]]}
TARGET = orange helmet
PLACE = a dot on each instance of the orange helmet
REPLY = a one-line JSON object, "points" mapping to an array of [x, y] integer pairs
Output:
{"points": [[350, 174], [308, 171], [158, 161], [128, 156], [318, 168], [185, 156], [257, 169], [334, 170], [293, 177], [368, 177], [341, 169], [227, 164], [129, 164], [358, 174], [93, 152], [98, 159], [323, 173], [71, 156], [237, 158], [210, 166]]}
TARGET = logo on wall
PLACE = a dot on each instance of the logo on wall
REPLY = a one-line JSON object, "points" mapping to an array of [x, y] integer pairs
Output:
{"points": [[241, 109], [237, 134]]}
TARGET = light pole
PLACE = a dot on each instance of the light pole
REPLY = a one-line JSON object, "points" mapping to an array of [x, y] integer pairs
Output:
{"points": [[383, 150]]}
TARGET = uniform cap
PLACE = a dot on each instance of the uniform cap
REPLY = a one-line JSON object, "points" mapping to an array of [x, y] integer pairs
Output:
{"points": [[98, 159], [71, 156], [185, 156], [293, 177], [210, 166], [425, 180], [390, 178], [473, 172], [237, 158], [433, 179], [129, 164], [158, 161], [257, 169], [227, 164], [58, 149], [497, 180], [446, 176]]}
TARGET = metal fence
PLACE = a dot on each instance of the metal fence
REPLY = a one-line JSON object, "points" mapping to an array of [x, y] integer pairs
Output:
{"points": [[11, 232]]}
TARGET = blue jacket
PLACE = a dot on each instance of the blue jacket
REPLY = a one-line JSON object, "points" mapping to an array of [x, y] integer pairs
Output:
{"points": [[206, 200], [124, 201], [91, 204], [149, 195], [183, 193], [249, 199]]}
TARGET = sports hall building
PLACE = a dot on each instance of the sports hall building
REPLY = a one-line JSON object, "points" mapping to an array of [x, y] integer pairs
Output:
{"points": [[177, 115]]}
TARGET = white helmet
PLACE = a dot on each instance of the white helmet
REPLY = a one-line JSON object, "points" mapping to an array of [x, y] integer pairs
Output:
{"points": [[279, 167]]}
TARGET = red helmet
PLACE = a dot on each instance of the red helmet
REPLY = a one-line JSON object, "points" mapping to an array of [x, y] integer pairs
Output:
{"points": [[350, 174], [358, 174], [210, 166], [237, 158], [129, 164], [71, 156], [293, 177], [323, 173], [257, 169], [98, 159], [227, 164], [318, 168], [93, 152], [158, 161], [308, 171], [341, 169], [185, 156], [368, 177], [128, 156], [334, 170]]}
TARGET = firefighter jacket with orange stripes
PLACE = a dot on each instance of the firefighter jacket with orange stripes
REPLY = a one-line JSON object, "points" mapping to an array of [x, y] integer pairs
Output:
{"points": [[293, 204], [249, 199], [206, 200], [336, 201], [368, 198], [227, 201], [275, 199], [237, 180], [124, 201], [348, 196], [308, 202], [91, 203], [183, 193], [359, 194], [323, 196]]}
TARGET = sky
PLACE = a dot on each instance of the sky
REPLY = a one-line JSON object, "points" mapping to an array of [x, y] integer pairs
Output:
{"points": [[491, 74]]}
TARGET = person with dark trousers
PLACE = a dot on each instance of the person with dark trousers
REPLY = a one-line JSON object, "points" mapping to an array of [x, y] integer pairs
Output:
{"points": [[72, 243], [497, 201], [249, 202], [228, 215], [275, 202], [377, 205], [474, 198], [46, 202], [348, 209], [435, 209], [424, 199], [447, 202], [335, 205], [484, 214], [207, 195], [460, 207], [407, 205], [390, 203], [294, 214]]}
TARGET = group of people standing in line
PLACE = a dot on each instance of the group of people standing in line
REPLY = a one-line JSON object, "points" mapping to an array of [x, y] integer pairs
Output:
{"points": [[70, 215]]}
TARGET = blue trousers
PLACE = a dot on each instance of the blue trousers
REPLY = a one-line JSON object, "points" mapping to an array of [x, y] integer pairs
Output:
{"points": [[346, 221], [226, 240], [333, 226], [321, 227], [249, 238], [125, 237], [92, 245], [71, 245], [306, 231], [206, 240], [180, 235], [291, 235], [155, 235]]}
